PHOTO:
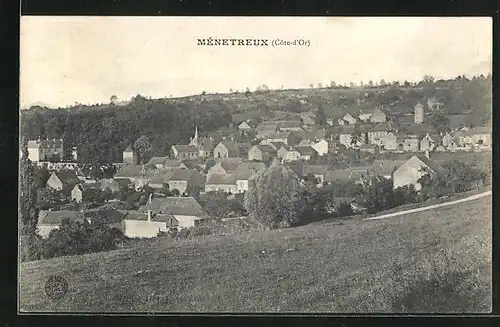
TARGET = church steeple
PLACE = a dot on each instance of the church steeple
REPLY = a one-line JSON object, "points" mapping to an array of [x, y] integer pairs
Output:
{"points": [[194, 140]]}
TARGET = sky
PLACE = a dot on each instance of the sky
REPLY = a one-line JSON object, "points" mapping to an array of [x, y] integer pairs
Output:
{"points": [[81, 59]]}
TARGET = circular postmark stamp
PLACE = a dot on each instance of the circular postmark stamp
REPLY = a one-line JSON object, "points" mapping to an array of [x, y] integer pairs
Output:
{"points": [[56, 287]]}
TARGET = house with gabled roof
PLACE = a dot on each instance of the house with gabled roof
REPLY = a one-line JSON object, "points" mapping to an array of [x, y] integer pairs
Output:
{"points": [[83, 191], [225, 166], [50, 220], [243, 126], [446, 139], [412, 170], [166, 163], [288, 138], [185, 152], [318, 171], [261, 153], [385, 167], [63, 180], [221, 182], [376, 133], [227, 149], [306, 152], [347, 119], [411, 144], [321, 146], [356, 174], [481, 136], [185, 180], [289, 125], [429, 142], [45, 150]]}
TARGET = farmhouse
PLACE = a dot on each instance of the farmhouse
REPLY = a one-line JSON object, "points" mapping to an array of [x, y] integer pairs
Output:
{"points": [[51, 220], [185, 152], [306, 152], [186, 210], [321, 147], [219, 182], [225, 166], [411, 144], [261, 153], [481, 136], [318, 171], [166, 163], [62, 180], [429, 143], [244, 127], [410, 172], [390, 141], [289, 125], [229, 149], [372, 115], [377, 133], [287, 138], [185, 180], [385, 168], [137, 224], [356, 174], [447, 139]]}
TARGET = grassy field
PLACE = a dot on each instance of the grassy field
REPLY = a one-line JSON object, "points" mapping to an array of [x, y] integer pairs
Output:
{"points": [[433, 261]]}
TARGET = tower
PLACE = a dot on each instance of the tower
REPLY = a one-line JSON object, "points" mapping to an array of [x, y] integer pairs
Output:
{"points": [[419, 114], [194, 140]]}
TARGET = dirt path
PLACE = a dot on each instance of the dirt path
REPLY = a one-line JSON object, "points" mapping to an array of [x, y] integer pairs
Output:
{"points": [[434, 206]]}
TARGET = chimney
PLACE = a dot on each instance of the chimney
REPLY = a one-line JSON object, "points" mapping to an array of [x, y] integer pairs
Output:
{"points": [[149, 215]]}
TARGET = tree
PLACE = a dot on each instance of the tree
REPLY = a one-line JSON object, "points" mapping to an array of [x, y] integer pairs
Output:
{"points": [[428, 79], [333, 84], [379, 195], [41, 176], [320, 119], [143, 147], [356, 138], [28, 194], [370, 83], [274, 197], [320, 85], [440, 122], [113, 99], [248, 92]]}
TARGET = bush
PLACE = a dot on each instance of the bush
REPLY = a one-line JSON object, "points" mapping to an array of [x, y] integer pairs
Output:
{"points": [[75, 237]]}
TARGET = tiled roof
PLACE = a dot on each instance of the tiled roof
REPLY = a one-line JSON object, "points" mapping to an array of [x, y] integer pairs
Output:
{"points": [[430, 163], [46, 217], [174, 206], [250, 166], [137, 215], [221, 179], [185, 148], [386, 167], [305, 150], [67, 177], [230, 164], [315, 169], [182, 174], [279, 135], [348, 174], [277, 145], [158, 160], [380, 127], [266, 148]]}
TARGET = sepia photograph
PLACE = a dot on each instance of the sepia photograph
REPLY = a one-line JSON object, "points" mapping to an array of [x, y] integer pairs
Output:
{"points": [[255, 165]]}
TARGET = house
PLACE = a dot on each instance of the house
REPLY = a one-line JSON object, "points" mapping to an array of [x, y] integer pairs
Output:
{"points": [[115, 184], [226, 149], [306, 152], [291, 155], [347, 119], [355, 174], [372, 115], [369, 148], [446, 139], [386, 167], [166, 163], [45, 150], [137, 224], [242, 177], [185, 210], [276, 145], [481, 136], [463, 138], [225, 166], [158, 162], [390, 141], [130, 156], [219, 182], [378, 116], [63, 180], [318, 171], [411, 144], [288, 138], [157, 183], [346, 137], [289, 125], [321, 147], [281, 152], [245, 127], [251, 166], [429, 143], [309, 120], [261, 153], [184, 152], [377, 133], [185, 180], [83, 192], [50, 220], [412, 170]]}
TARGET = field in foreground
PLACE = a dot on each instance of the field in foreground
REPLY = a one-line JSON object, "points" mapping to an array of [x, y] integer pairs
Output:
{"points": [[433, 261]]}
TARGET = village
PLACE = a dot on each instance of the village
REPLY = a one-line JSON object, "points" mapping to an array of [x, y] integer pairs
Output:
{"points": [[221, 162]]}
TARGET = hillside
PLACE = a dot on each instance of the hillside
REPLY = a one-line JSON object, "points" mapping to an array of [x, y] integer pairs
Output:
{"points": [[437, 260]]}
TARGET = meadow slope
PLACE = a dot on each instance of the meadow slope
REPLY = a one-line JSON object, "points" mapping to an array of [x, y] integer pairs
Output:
{"points": [[432, 261]]}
